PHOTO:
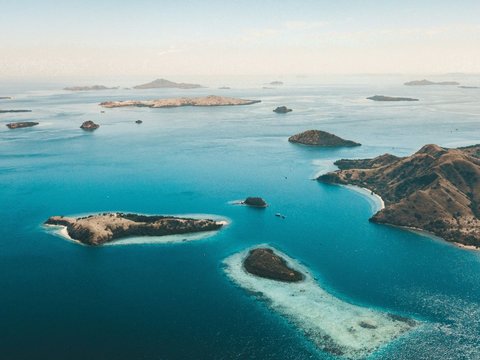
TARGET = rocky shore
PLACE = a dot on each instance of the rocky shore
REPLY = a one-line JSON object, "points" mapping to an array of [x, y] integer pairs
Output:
{"points": [[177, 102], [102, 228], [435, 190], [320, 138], [265, 263]]}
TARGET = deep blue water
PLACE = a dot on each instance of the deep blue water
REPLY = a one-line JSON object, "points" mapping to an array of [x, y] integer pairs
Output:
{"points": [[61, 300]]}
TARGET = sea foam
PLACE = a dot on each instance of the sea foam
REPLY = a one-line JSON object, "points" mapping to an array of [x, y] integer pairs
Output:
{"points": [[332, 324]]}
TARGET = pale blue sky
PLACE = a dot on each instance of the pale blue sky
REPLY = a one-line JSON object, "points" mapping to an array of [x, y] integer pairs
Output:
{"points": [[62, 38]]}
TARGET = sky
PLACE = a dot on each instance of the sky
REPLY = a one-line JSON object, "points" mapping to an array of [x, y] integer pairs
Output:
{"points": [[88, 38]]}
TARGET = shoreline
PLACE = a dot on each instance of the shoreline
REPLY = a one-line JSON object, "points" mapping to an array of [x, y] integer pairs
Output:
{"points": [[432, 236], [376, 199]]}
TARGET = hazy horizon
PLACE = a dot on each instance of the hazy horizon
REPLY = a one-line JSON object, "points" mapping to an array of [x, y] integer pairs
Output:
{"points": [[187, 38]]}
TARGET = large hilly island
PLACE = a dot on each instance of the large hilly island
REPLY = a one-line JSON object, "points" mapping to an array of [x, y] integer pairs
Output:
{"points": [[184, 101], [436, 189], [102, 228], [167, 84]]}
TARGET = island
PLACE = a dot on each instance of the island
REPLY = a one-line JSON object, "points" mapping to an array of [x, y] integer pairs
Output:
{"points": [[276, 83], [390, 98], [14, 111], [184, 101], [436, 190], [89, 88], [334, 325], [469, 87], [167, 84], [265, 263], [255, 202], [89, 125], [99, 229], [320, 138], [5, 97], [23, 124], [282, 110], [425, 82], [224, 88]]}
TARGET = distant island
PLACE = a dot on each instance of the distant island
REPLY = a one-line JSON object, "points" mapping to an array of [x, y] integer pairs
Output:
{"points": [[428, 82], [320, 138], [5, 97], [23, 124], [276, 83], [14, 111], [390, 98], [167, 84], [469, 87], [185, 101], [102, 228], [89, 88], [436, 190], [265, 263], [224, 88], [282, 110]]}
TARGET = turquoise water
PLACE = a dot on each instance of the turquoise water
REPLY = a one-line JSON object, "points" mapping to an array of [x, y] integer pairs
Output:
{"points": [[174, 301]]}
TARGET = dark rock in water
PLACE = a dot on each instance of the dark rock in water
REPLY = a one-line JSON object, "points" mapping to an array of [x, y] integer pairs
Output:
{"points": [[265, 263], [390, 98], [408, 321], [18, 125], [425, 82], [138, 122], [320, 138], [255, 202], [14, 111], [103, 228], [89, 125], [367, 325], [282, 110]]}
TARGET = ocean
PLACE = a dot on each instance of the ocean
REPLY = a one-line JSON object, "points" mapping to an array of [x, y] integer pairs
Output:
{"points": [[59, 299]]}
